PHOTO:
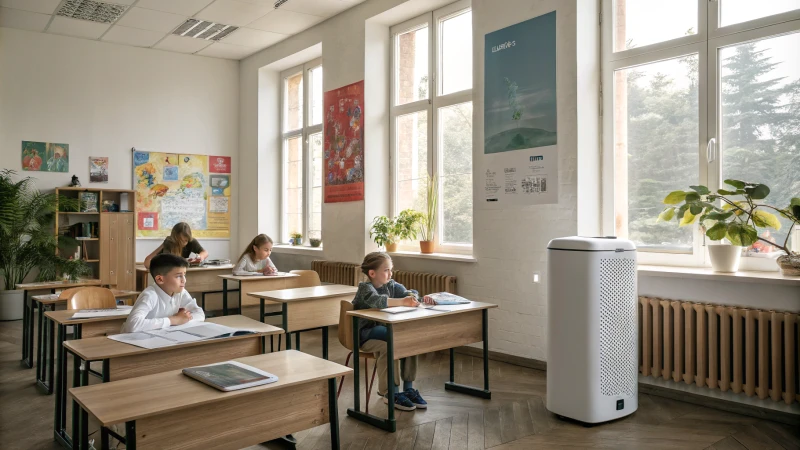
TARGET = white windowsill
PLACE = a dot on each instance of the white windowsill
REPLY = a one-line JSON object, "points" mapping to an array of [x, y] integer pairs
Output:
{"points": [[705, 273], [440, 256], [297, 249]]}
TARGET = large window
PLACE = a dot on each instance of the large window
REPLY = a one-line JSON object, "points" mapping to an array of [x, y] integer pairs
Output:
{"points": [[431, 120], [301, 127], [697, 92]]}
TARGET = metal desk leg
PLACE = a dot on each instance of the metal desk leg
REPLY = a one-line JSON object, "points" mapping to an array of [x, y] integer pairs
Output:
{"points": [[25, 325], [285, 325], [389, 424], [333, 413], [469, 390], [60, 426], [224, 297], [324, 342], [76, 381], [39, 339], [44, 364], [130, 435]]}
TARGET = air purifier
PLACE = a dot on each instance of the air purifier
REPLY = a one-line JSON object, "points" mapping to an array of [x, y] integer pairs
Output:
{"points": [[591, 328]]}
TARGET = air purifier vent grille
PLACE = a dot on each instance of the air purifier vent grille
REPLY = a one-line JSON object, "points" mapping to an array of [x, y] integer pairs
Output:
{"points": [[618, 327]]}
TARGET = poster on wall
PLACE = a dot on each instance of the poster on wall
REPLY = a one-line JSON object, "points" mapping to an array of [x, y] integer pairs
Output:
{"points": [[98, 169], [45, 157], [172, 188], [520, 120], [344, 143]]}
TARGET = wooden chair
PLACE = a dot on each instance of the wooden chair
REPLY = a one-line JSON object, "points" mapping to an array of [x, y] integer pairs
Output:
{"points": [[67, 293], [91, 297], [307, 278], [346, 339]]}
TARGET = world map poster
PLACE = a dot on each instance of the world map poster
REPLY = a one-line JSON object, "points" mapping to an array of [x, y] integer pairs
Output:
{"points": [[172, 188], [344, 143]]}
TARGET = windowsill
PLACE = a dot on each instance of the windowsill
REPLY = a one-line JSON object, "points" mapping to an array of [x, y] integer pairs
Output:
{"points": [[705, 273], [440, 256], [297, 249]]}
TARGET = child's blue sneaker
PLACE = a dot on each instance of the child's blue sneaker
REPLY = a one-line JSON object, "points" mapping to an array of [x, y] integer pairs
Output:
{"points": [[413, 395], [401, 402]]}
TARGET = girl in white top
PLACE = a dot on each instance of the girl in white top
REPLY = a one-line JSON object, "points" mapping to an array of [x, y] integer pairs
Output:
{"points": [[255, 258]]}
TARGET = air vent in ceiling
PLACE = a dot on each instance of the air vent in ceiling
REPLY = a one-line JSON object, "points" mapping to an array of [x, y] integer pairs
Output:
{"points": [[201, 29], [91, 10]]}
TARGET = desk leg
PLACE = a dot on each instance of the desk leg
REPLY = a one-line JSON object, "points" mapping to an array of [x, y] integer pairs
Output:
{"points": [[51, 353], [104, 438], [29, 337], [333, 413], [297, 336], [76, 381], [224, 297], [60, 426], [25, 325], [130, 435], [39, 340], [389, 424], [44, 363], [324, 342], [285, 325], [469, 390]]}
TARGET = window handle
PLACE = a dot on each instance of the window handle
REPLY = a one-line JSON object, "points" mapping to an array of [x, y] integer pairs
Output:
{"points": [[711, 150]]}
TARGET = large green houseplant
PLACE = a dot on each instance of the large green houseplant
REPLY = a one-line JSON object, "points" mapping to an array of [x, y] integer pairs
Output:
{"points": [[388, 232], [28, 240], [737, 216]]}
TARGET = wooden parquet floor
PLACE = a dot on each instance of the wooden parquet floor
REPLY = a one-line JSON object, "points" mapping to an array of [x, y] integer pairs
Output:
{"points": [[515, 418]]}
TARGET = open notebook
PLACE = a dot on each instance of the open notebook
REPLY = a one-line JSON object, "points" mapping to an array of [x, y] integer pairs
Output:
{"points": [[230, 375], [188, 332]]}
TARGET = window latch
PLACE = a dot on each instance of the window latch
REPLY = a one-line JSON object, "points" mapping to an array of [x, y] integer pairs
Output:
{"points": [[711, 150]]}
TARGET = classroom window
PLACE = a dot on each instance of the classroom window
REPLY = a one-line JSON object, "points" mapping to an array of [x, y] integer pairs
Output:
{"points": [[696, 92], [431, 120], [302, 152]]}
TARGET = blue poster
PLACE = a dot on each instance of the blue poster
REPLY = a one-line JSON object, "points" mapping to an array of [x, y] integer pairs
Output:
{"points": [[520, 86]]}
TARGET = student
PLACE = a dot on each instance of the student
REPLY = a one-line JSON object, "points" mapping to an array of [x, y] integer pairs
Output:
{"points": [[182, 234], [382, 292], [167, 303], [255, 258], [171, 246]]}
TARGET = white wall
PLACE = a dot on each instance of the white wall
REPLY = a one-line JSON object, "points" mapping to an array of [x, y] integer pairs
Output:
{"points": [[102, 99]]}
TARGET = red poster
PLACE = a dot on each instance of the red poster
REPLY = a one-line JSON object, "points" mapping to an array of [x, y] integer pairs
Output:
{"points": [[148, 220], [219, 164], [344, 143]]}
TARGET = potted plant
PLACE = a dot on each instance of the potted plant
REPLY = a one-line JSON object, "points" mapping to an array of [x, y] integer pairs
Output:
{"points": [[428, 219], [382, 233], [297, 238], [736, 221], [315, 242], [27, 241]]}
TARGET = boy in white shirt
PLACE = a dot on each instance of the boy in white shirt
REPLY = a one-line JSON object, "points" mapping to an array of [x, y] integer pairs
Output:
{"points": [[167, 303]]}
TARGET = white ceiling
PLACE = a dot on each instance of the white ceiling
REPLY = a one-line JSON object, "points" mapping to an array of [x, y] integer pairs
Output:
{"points": [[149, 23]]}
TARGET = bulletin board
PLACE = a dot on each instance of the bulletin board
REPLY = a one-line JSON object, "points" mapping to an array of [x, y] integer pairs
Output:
{"points": [[175, 187]]}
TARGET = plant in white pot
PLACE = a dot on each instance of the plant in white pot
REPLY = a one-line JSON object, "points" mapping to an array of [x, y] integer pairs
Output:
{"points": [[735, 219], [27, 240]]}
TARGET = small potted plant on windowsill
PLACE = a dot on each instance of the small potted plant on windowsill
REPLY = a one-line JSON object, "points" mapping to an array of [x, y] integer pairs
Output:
{"points": [[428, 219], [387, 232], [315, 242], [297, 238], [736, 221]]}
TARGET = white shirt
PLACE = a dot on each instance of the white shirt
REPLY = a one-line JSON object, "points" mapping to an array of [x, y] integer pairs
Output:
{"points": [[246, 266], [154, 307]]}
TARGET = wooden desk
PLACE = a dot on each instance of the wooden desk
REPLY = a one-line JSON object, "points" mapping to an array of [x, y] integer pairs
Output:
{"points": [[122, 361], [167, 403], [256, 283], [198, 279], [424, 331], [308, 308], [28, 306], [44, 371]]}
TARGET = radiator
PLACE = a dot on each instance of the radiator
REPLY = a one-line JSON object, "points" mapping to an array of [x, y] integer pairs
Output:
{"points": [[425, 283], [338, 272], [721, 347]]}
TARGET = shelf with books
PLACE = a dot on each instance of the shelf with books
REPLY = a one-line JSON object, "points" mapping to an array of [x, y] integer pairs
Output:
{"points": [[80, 213]]}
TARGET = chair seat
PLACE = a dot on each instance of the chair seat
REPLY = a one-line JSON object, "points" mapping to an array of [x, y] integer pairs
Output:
{"points": [[366, 355]]}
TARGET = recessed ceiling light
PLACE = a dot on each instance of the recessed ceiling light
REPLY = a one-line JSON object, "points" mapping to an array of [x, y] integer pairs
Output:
{"points": [[201, 29], [91, 10]]}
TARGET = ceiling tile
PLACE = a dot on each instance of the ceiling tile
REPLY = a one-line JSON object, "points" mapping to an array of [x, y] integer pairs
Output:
{"points": [[148, 19], [285, 22], [234, 12], [253, 38], [78, 28], [182, 44], [183, 7], [132, 36], [228, 51], [119, 2], [323, 8], [39, 6], [24, 20]]}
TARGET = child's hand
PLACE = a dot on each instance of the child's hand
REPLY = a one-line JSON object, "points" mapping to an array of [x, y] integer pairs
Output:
{"points": [[181, 317], [410, 301], [428, 300], [268, 270]]}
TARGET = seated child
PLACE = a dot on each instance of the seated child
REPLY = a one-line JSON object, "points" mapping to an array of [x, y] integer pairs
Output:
{"points": [[255, 258], [167, 303], [382, 292]]}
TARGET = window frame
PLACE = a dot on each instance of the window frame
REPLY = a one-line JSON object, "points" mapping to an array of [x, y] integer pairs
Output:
{"points": [[707, 43], [432, 105], [304, 134]]}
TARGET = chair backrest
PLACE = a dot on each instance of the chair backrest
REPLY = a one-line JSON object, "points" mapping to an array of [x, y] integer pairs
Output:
{"points": [[67, 293], [92, 298], [345, 325], [307, 278]]}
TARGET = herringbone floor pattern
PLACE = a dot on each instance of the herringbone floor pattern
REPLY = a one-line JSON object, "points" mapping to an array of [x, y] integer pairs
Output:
{"points": [[515, 418]]}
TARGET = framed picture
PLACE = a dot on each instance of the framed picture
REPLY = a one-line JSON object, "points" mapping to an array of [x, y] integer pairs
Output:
{"points": [[89, 201], [98, 169]]}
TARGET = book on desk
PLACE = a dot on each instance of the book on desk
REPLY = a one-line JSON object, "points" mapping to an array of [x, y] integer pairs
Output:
{"points": [[230, 375]]}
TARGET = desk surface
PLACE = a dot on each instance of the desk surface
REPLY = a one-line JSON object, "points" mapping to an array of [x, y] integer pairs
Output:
{"points": [[194, 268], [259, 277], [306, 293], [48, 299], [58, 284], [421, 313], [160, 393], [98, 348], [64, 317]]}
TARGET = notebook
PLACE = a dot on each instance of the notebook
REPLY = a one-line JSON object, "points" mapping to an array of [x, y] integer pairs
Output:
{"points": [[188, 332], [120, 310], [446, 298], [399, 309], [230, 375]]}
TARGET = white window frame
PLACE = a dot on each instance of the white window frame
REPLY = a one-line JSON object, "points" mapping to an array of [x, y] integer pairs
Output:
{"points": [[304, 132], [432, 105], [709, 39]]}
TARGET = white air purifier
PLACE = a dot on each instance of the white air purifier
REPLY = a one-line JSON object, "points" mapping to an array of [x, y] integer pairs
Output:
{"points": [[592, 341]]}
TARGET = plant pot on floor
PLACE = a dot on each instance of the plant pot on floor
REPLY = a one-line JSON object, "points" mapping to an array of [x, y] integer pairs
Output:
{"points": [[426, 247], [790, 265], [725, 258], [11, 305], [391, 247]]}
